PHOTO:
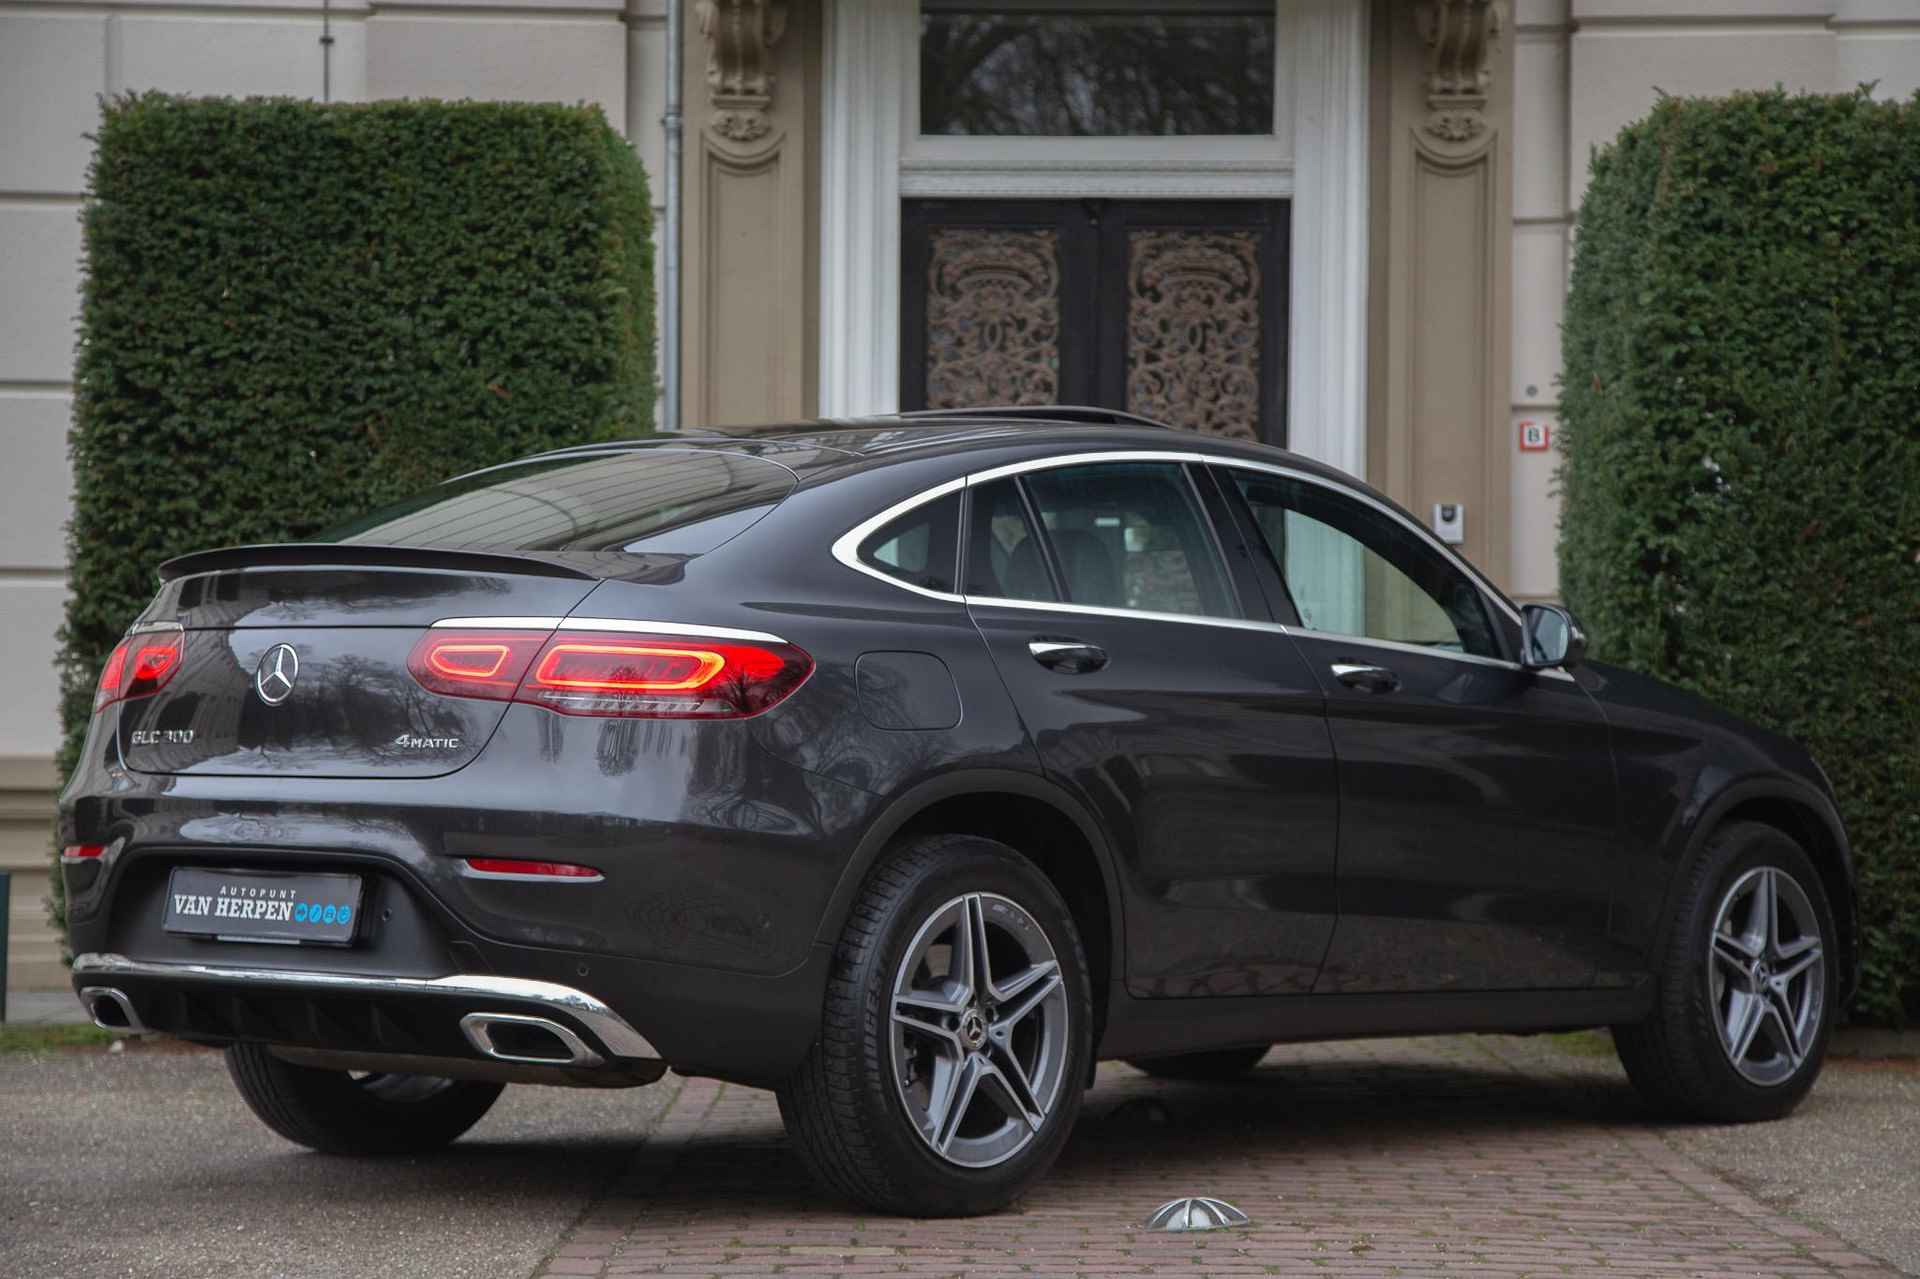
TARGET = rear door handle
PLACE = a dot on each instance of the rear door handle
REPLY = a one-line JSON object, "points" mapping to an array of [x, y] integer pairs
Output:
{"points": [[1373, 679], [1068, 655]]}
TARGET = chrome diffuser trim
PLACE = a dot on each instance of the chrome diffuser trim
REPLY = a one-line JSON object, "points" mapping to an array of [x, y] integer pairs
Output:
{"points": [[478, 1028], [607, 1025], [90, 997]]}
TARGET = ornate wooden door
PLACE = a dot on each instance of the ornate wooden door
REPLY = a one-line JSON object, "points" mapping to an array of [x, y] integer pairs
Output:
{"points": [[1173, 309]]}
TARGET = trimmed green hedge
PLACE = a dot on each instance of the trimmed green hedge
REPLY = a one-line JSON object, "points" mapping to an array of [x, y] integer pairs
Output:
{"points": [[294, 313], [1742, 432]]}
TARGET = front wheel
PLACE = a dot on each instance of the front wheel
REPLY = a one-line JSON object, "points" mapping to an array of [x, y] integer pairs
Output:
{"points": [[346, 1113], [955, 1037], [1746, 989]]}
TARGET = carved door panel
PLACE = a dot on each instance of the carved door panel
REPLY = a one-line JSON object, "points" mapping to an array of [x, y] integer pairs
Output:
{"points": [[1173, 309]]}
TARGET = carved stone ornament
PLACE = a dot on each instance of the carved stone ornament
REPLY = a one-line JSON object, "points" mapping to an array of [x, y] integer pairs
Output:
{"points": [[741, 35], [1460, 36]]}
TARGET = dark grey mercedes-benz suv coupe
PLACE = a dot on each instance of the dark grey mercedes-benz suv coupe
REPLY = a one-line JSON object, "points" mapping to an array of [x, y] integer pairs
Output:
{"points": [[909, 766]]}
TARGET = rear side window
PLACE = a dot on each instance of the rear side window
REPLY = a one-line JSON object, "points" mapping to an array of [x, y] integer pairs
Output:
{"points": [[921, 548], [1004, 556], [1131, 535], [673, 501]]}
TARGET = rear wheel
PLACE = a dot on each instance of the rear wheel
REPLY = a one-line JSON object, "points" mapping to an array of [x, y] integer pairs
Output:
{"points": [[1218, 1063], [955, 1038], [345, 1113], [1746, 997]]}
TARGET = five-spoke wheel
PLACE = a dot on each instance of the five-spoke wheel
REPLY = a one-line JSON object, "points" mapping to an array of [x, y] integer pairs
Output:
{"points": [[1766, 974], [979, 1029], [956, 1037], [1745, 990]]}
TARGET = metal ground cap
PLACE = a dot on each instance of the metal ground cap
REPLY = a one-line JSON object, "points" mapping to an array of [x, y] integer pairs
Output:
{"points": [[1196, 1213]]}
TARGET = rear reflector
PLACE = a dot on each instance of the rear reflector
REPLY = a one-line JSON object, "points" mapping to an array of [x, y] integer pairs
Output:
{"points": [[139, 666], [82, 852], [517, 868], [612, 673]]}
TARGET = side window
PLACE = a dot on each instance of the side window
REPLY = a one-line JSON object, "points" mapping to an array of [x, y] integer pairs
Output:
{"points": [[921, 547], [1353, 570], [1004, 558], [1131, 535]]}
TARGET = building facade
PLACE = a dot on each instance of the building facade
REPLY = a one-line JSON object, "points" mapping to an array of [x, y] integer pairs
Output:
{"points": [[1338, 225]]}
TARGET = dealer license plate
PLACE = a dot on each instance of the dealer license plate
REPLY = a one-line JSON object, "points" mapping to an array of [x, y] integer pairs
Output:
{"points": [[263, 905]]}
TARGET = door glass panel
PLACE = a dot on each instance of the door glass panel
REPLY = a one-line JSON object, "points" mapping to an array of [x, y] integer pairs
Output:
{"points": [[993, 317], [1057, 68], [1130, 535], [1004, 558], [1193, 329], [1353, 570]]}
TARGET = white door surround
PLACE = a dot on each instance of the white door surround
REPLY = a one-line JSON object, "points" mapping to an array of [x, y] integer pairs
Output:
{"points": [[872, 156]]}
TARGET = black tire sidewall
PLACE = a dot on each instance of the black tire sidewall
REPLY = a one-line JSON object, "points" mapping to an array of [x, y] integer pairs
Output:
{"points": [[1732, 855], [980, 866], [330, 1111]]}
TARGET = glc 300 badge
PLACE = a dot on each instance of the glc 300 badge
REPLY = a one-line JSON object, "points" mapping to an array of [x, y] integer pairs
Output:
{"points": [[273, 678]]}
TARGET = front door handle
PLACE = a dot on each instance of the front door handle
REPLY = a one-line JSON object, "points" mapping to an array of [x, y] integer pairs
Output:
{"points": [[1068, 655], [1372, 679]]}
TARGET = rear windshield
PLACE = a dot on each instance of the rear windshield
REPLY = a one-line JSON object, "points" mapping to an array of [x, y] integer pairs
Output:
{"points": [[656, 501]]}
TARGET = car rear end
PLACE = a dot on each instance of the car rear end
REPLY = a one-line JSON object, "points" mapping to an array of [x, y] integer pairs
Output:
{"points": [[404, 798]]}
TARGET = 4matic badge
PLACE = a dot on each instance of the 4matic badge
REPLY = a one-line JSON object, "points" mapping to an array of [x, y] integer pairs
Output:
{"points": [[415, 742]]}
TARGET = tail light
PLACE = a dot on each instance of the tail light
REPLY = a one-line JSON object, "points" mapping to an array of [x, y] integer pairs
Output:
{"points": [[612, 673], [82, 852], [139, 666]]}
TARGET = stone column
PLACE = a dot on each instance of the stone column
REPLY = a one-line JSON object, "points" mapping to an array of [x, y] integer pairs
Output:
{"points": [[750, 225], [1442, 240]]}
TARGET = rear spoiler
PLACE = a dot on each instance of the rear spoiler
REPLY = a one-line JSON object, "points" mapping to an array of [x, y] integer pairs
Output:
{"points": [[361, 555]]}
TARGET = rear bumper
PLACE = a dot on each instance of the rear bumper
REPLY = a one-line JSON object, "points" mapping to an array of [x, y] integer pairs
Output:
{"points": [[444, 1017]]}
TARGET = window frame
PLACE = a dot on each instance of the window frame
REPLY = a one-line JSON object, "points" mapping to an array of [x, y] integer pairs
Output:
{"points": [[958, 550], [1196, 503], [1504, 614], [1361, 511]]}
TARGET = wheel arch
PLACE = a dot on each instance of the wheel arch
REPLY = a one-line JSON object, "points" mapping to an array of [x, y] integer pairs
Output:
{"points": [[1808, 818], [1029, 814]]}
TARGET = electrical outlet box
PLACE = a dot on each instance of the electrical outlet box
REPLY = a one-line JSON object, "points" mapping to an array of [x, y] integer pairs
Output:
{"points": [[1450, 522]]}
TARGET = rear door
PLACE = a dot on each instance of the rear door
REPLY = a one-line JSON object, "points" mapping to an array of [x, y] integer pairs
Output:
{"points": [[1478, 833], [1178, 712]]}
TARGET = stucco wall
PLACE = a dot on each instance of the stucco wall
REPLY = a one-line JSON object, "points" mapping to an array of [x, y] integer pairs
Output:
{"points": [[1583, 69], [57, 58]]}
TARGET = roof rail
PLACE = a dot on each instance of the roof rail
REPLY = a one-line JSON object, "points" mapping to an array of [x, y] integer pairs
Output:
{"points": [[1046, 413]]}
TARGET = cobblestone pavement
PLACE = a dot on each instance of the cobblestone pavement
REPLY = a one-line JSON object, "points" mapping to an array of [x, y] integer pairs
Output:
{"points": [[1396, 1157]]}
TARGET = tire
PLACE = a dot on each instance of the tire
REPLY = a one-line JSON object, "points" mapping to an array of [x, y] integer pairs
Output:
{"points": [[1679, 1058], [1216, 1063], [864, 1108], [333, 1112]]}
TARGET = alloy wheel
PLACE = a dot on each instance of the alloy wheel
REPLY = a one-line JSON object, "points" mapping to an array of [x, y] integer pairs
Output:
{"points": [[1766, 975], [979, 1030]]}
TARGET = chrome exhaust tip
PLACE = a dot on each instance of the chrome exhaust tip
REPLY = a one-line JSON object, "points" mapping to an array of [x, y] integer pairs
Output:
{"points": [[534, 1041], [111, 1010]]}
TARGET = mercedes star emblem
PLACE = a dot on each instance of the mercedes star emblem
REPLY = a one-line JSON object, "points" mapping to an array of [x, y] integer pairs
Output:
{"points": [[273, 678]]}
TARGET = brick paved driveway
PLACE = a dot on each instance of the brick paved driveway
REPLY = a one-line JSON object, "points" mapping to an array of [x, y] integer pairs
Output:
{"points": [[1396, 1157]]}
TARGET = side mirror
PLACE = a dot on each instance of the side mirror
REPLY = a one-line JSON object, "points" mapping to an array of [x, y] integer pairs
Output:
{"points": [[1551, 637]]}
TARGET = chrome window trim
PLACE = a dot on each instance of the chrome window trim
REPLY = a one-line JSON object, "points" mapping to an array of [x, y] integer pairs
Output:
{"points": [[846, 549], [605, 624], [149, 628], [612, 1029], [1126, 614]]}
